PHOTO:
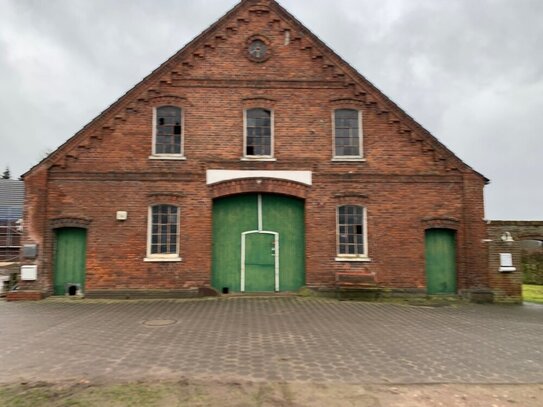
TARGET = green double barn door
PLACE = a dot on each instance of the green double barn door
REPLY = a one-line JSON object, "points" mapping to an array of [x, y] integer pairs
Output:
{"points": [[440, 253], [70, 256], [258, 243]]}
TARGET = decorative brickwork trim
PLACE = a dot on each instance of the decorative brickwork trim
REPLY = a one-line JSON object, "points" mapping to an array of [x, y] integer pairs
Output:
{"points": [[172, 100], [351, 197], [165, 197], [259, 101], [70, 223], [255, 185], [347, 102], [441, 223]]}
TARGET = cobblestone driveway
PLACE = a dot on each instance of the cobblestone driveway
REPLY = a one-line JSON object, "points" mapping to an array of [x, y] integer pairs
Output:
{"points": [[292, 339]]}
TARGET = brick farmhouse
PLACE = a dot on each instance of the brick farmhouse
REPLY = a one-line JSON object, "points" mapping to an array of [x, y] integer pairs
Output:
{"points": [[254, 160]]}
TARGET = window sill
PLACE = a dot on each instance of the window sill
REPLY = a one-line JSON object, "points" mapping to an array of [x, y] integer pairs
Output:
{"points": [[258, 159], [168, 157], [354, 259], [347, 159], [162, 259]]}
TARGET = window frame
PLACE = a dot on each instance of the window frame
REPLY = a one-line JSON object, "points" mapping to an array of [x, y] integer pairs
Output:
{"points": [[361, 257], [162, 257], [269, 157], [358, 157], [168, 156]]}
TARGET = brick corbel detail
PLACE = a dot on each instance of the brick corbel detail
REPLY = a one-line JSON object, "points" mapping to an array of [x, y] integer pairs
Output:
{"points": [[258, 185]]}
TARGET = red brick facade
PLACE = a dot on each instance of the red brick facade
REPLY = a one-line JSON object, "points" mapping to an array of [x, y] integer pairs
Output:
{"points": [[407, 181]]}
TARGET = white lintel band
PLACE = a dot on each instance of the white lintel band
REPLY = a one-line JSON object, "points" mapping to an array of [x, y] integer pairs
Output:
{"points": [[216, 176]]}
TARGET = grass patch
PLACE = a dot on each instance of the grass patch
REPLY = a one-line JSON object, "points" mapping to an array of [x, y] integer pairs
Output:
{"points": [[533, 293], [50, 395]]}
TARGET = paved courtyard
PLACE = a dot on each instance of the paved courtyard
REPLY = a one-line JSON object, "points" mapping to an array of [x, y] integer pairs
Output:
{"points": [[290, 339]]}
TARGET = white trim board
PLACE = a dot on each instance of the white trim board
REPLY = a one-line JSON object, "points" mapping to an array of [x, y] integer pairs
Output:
{"points": [[216, 176]]}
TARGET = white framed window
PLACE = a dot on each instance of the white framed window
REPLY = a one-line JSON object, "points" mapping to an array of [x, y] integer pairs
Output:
{"points": [[258, 134], [168, 132], [352, 236], [347, 134], [163, 233]]}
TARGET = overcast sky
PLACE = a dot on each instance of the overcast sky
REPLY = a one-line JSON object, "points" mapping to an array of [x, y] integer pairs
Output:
{"points": [[470, 71]]}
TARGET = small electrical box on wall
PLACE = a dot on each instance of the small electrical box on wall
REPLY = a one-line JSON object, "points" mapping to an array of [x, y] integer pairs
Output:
{"points": [[506, 263], [30, 251], [29, 273], [122, 215]]}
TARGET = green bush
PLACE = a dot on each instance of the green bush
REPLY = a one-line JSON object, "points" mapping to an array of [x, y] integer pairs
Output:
{"points": [[532, 268]]}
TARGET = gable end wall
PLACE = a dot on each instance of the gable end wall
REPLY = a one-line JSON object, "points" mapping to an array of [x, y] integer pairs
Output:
{"points": [[405, 180]]}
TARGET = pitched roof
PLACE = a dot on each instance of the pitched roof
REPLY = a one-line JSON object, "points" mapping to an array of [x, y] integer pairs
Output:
{"points": [[352, 77], [12, 194]]}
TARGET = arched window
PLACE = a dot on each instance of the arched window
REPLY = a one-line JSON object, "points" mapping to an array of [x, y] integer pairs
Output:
{"points": [[258, 133], [168, 135], [351, 231], [163, 240], [347, 134]]}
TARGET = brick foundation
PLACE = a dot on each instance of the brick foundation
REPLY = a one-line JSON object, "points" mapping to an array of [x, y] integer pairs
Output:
{"points": [[24, 296]]}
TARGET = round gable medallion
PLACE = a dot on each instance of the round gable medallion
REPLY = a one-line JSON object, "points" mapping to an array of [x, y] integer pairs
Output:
{"points": [[257, 49]]}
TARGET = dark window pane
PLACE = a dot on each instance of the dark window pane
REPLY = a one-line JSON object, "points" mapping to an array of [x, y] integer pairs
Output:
{"points": [[346, 132], [164, 229], [168, 130], [258, 132], [351, 230]]}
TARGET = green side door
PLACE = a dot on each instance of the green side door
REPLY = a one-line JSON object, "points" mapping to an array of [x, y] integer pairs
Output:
{"points": [[440, 253], [259, 265], [258, 219], [70, 255]]}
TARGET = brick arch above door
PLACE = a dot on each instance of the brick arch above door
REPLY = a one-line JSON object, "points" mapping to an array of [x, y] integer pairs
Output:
{"points": [[259, 185], [70, 222]]}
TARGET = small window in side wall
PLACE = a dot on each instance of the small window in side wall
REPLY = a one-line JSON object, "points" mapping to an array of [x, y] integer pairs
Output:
{"points": [[168, 136], [163, 232], [258, 133], [347, 133], [351, 231]]}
